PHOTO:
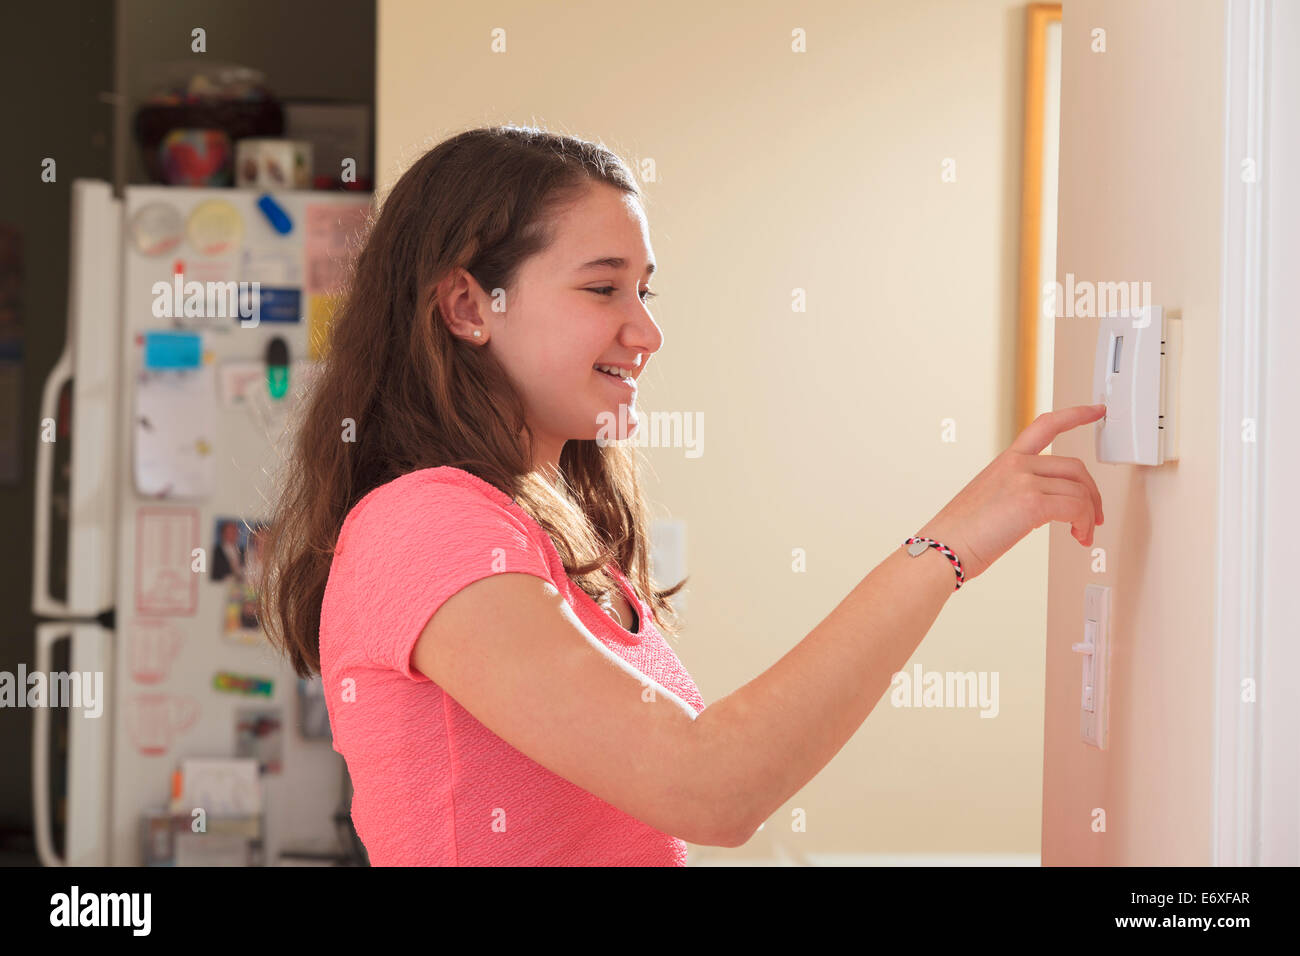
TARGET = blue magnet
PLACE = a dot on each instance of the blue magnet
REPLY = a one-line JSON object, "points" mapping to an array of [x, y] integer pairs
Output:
{"points": [[173, 350], [275, 214]]}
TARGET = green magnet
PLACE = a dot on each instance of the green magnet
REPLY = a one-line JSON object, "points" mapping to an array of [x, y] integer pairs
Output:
{"points": [[277, 367]]}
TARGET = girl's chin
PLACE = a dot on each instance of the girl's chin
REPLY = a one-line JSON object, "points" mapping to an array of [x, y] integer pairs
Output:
{"points": [[617, 424]]}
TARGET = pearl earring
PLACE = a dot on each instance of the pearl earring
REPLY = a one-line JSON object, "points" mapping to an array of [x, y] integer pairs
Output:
{"points": [[478, 333]]}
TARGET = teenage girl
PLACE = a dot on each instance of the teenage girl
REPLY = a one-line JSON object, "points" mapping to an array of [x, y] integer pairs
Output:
{"points": [[460, 546]]}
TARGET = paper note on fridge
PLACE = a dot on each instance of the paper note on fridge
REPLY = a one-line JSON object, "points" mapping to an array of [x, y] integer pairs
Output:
{"points": [[222, 786], [174, 425]]}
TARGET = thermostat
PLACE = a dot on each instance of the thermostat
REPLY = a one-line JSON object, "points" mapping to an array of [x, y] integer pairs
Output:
{"points": [[1136, 376]]}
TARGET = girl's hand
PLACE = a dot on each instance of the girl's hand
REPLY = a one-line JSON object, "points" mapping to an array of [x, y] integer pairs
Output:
{"points": [[1017, 492]]}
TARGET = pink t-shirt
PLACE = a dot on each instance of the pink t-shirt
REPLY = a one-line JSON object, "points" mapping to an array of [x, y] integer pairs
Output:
{"points": [[430, 781]]}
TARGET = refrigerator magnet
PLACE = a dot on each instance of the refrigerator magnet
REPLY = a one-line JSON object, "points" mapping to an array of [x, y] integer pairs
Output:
{"points": [[236, 560], [270, 281], [259, 735], [248, 685], [275, 214], [238, 377], [277, 367], [157, 228], [229, 547], [320, 313], [172, 350], [239, 613], [215, 227], [263, 303]]}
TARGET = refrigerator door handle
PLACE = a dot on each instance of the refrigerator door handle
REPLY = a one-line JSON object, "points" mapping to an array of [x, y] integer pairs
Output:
{"points": [[46, 635], [89, 783], [43, 603]]}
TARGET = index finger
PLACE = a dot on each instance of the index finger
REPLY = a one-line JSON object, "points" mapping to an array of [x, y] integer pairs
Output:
{"points": [[1048, 425]]}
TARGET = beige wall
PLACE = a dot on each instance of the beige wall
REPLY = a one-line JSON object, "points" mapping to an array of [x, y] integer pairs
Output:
{"points": [[822, 430], [1140, 199]]}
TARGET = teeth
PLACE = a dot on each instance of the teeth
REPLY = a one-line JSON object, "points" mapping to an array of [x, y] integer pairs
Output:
{"points": [[614, 370]]}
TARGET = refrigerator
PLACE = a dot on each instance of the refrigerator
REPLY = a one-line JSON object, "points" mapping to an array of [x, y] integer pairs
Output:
{"points": [[195, 318]]}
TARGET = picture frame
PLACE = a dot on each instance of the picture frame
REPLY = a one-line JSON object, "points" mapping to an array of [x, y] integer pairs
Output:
{"points": [[1035, 329]]}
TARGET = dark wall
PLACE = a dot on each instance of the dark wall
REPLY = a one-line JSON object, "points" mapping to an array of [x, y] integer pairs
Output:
{"points": [[66, 69], [56, 61]]}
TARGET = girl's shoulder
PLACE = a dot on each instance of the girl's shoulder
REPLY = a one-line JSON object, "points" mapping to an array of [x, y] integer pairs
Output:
{"points": [[425, 484]]}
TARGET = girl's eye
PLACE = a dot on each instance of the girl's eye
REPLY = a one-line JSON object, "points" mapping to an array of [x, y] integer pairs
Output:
{"points": [[608, 290]]}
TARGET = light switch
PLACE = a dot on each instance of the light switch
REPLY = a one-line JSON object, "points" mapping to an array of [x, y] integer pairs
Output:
{"points": [[1136, 374], [1088, 648], [1095, 655], [668, 557]]}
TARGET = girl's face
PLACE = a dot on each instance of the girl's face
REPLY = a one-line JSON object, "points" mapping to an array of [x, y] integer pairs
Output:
{"points": [[579, 304]]}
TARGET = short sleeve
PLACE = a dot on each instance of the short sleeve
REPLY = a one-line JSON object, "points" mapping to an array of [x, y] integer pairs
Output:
{"points": [[409, 546]]}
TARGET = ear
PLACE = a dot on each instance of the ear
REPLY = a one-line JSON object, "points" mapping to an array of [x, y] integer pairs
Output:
{"points": [[456, 305]]}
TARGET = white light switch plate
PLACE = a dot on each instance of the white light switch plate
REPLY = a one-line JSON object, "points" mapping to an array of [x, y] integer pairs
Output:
{"points": [[1094, 652], [668, 557]]}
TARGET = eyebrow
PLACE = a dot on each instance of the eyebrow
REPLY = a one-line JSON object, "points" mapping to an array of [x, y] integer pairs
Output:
{"points": [[612, 262]]}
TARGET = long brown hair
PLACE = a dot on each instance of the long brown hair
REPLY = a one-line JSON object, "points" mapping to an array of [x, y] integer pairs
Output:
{"points": [[420, 397]]}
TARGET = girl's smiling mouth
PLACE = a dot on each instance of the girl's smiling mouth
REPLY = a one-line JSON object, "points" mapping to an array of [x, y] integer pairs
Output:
{"points": [[623, 381]]}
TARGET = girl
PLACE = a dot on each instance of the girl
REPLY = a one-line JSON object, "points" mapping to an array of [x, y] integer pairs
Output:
{"points": [[460, 545]]}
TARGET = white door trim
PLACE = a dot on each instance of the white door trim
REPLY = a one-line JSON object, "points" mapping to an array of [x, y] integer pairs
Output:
{"points": [[1257, 763]]}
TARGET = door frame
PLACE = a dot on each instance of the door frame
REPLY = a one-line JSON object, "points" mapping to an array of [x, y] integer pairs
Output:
{"points": [[1257, 761]]}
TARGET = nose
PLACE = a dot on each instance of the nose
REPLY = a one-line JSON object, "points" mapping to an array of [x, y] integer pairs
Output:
{"points": [[642, 331]]}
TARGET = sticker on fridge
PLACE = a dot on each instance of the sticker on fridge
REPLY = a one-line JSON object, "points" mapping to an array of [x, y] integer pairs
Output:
{"points": [[270, 284], [174, 425], [236, 560], [332, 234], [215, 228], [258, 734], [155, 720], [165, 539], [154, 643]]}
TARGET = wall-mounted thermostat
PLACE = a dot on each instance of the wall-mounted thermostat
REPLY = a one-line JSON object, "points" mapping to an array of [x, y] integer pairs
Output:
{"points": [[1136, 375]]}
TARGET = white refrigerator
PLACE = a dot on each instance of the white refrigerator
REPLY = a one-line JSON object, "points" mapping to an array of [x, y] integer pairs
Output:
{"points": [[195, 316]]}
